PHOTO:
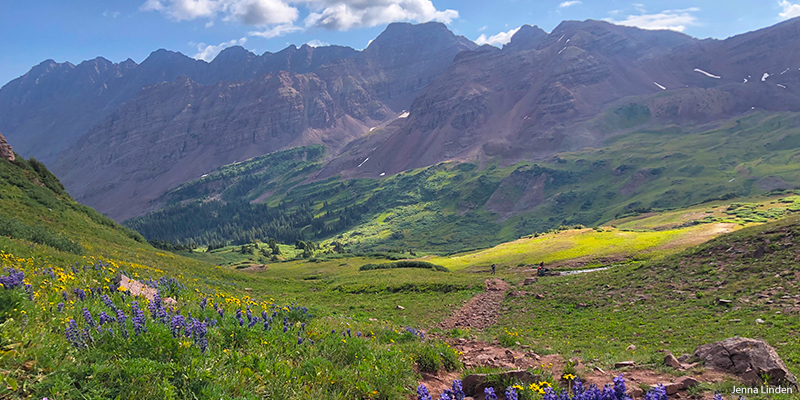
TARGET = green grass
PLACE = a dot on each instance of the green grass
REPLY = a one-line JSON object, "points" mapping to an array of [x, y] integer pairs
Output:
{"points": [[580, 247], [670, 303]]}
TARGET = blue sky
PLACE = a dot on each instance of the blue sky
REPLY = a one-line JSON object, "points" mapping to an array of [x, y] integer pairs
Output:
{"points": [[34, 30]]}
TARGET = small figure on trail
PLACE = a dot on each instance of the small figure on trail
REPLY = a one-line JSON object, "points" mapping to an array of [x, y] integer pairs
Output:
{"points": [[494, 267], [541, 271]]}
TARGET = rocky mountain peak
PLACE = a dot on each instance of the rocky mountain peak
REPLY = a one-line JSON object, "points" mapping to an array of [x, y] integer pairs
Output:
{"points": [[527, 37], [6, 152]]}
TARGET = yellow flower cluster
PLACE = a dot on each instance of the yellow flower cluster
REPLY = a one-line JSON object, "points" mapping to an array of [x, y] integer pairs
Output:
{"points": [[533, 387]]}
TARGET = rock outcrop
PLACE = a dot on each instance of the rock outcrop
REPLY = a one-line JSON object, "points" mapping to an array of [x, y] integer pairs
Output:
{"points": [[6, 152], [750, 359]]}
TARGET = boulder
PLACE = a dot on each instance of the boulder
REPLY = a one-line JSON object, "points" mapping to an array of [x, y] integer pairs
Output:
{"points": [[625, 364], [530, 281], [671, 361], [685, 382], [749, 359], [6, 152]]}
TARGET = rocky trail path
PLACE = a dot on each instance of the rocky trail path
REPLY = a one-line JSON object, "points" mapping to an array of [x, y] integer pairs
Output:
{"points": [[481, 311]]}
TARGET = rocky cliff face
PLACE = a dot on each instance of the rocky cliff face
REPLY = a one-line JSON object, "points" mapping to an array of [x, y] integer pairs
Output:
{"points": [[240, 106], [539, 94], [6, 152]]}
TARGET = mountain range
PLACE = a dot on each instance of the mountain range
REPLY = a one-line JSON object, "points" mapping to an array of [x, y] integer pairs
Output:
{"points": [[122, 136]]}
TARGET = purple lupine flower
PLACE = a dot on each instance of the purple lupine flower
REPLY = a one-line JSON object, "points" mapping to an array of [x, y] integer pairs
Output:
{"points": [[549, 394], [458, 390], [511, 393], [264, 316], [266, 325], [107, 301], [105, 318], [221, 313], [155, 305], [348, 332], [445, 396], [657, 393], [14, 279], [299, 340], [490, 395], [88, 317], [72, 334], [29, 290], [87, 335], [213, 322], [64, 296], [121, 317], [203, 303], [285, 328], [718, 396], [249, 314], [303, 326], [60, 307], [198, 333], [176, 324], [80, 294], [577, 387], [138, 318], [358, 334], [422, 393], [619, 387]]}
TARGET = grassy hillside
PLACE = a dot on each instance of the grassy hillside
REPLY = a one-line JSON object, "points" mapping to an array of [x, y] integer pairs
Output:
{"points": [[60, 264], [671, 303], [452, 207]]}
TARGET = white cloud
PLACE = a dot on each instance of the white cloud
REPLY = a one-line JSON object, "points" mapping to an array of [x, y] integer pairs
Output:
{"points": [[317, 43], [276, 31], [790, 10], [347, 14], [328, 14], [111, 14], [569, 3], [483, 28], [248, 12], [676, 20], [208, 52], [498, 39], [209, 24]]}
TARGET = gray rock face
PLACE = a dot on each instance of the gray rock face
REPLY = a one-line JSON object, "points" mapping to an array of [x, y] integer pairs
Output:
{"points": [[6, 152], [750, 359]]}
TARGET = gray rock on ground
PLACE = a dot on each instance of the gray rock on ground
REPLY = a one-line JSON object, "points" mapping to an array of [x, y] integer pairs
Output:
{"points": [[749, 359]]}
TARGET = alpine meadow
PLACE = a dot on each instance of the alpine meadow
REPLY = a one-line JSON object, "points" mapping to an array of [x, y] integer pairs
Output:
{"points": [[607, 208]]}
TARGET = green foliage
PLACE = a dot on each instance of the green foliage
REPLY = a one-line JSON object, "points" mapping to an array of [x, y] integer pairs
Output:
{"points": [[17, 229], [404, 264]]}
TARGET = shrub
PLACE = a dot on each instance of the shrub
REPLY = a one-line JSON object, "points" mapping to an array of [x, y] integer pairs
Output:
{"points": [[404, 264], [17, 229]]}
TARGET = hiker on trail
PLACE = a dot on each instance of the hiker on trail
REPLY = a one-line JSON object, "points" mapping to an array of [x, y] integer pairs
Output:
{"points": [[541, 270], [494, 267]]}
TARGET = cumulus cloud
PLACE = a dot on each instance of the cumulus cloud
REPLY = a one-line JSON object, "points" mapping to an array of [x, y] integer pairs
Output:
{"points": [[207, 52], [675, 20], [569, 3], [317, 43], [276, 31], [498, 39], [328, 14], [790, 10], [347, 14]]}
